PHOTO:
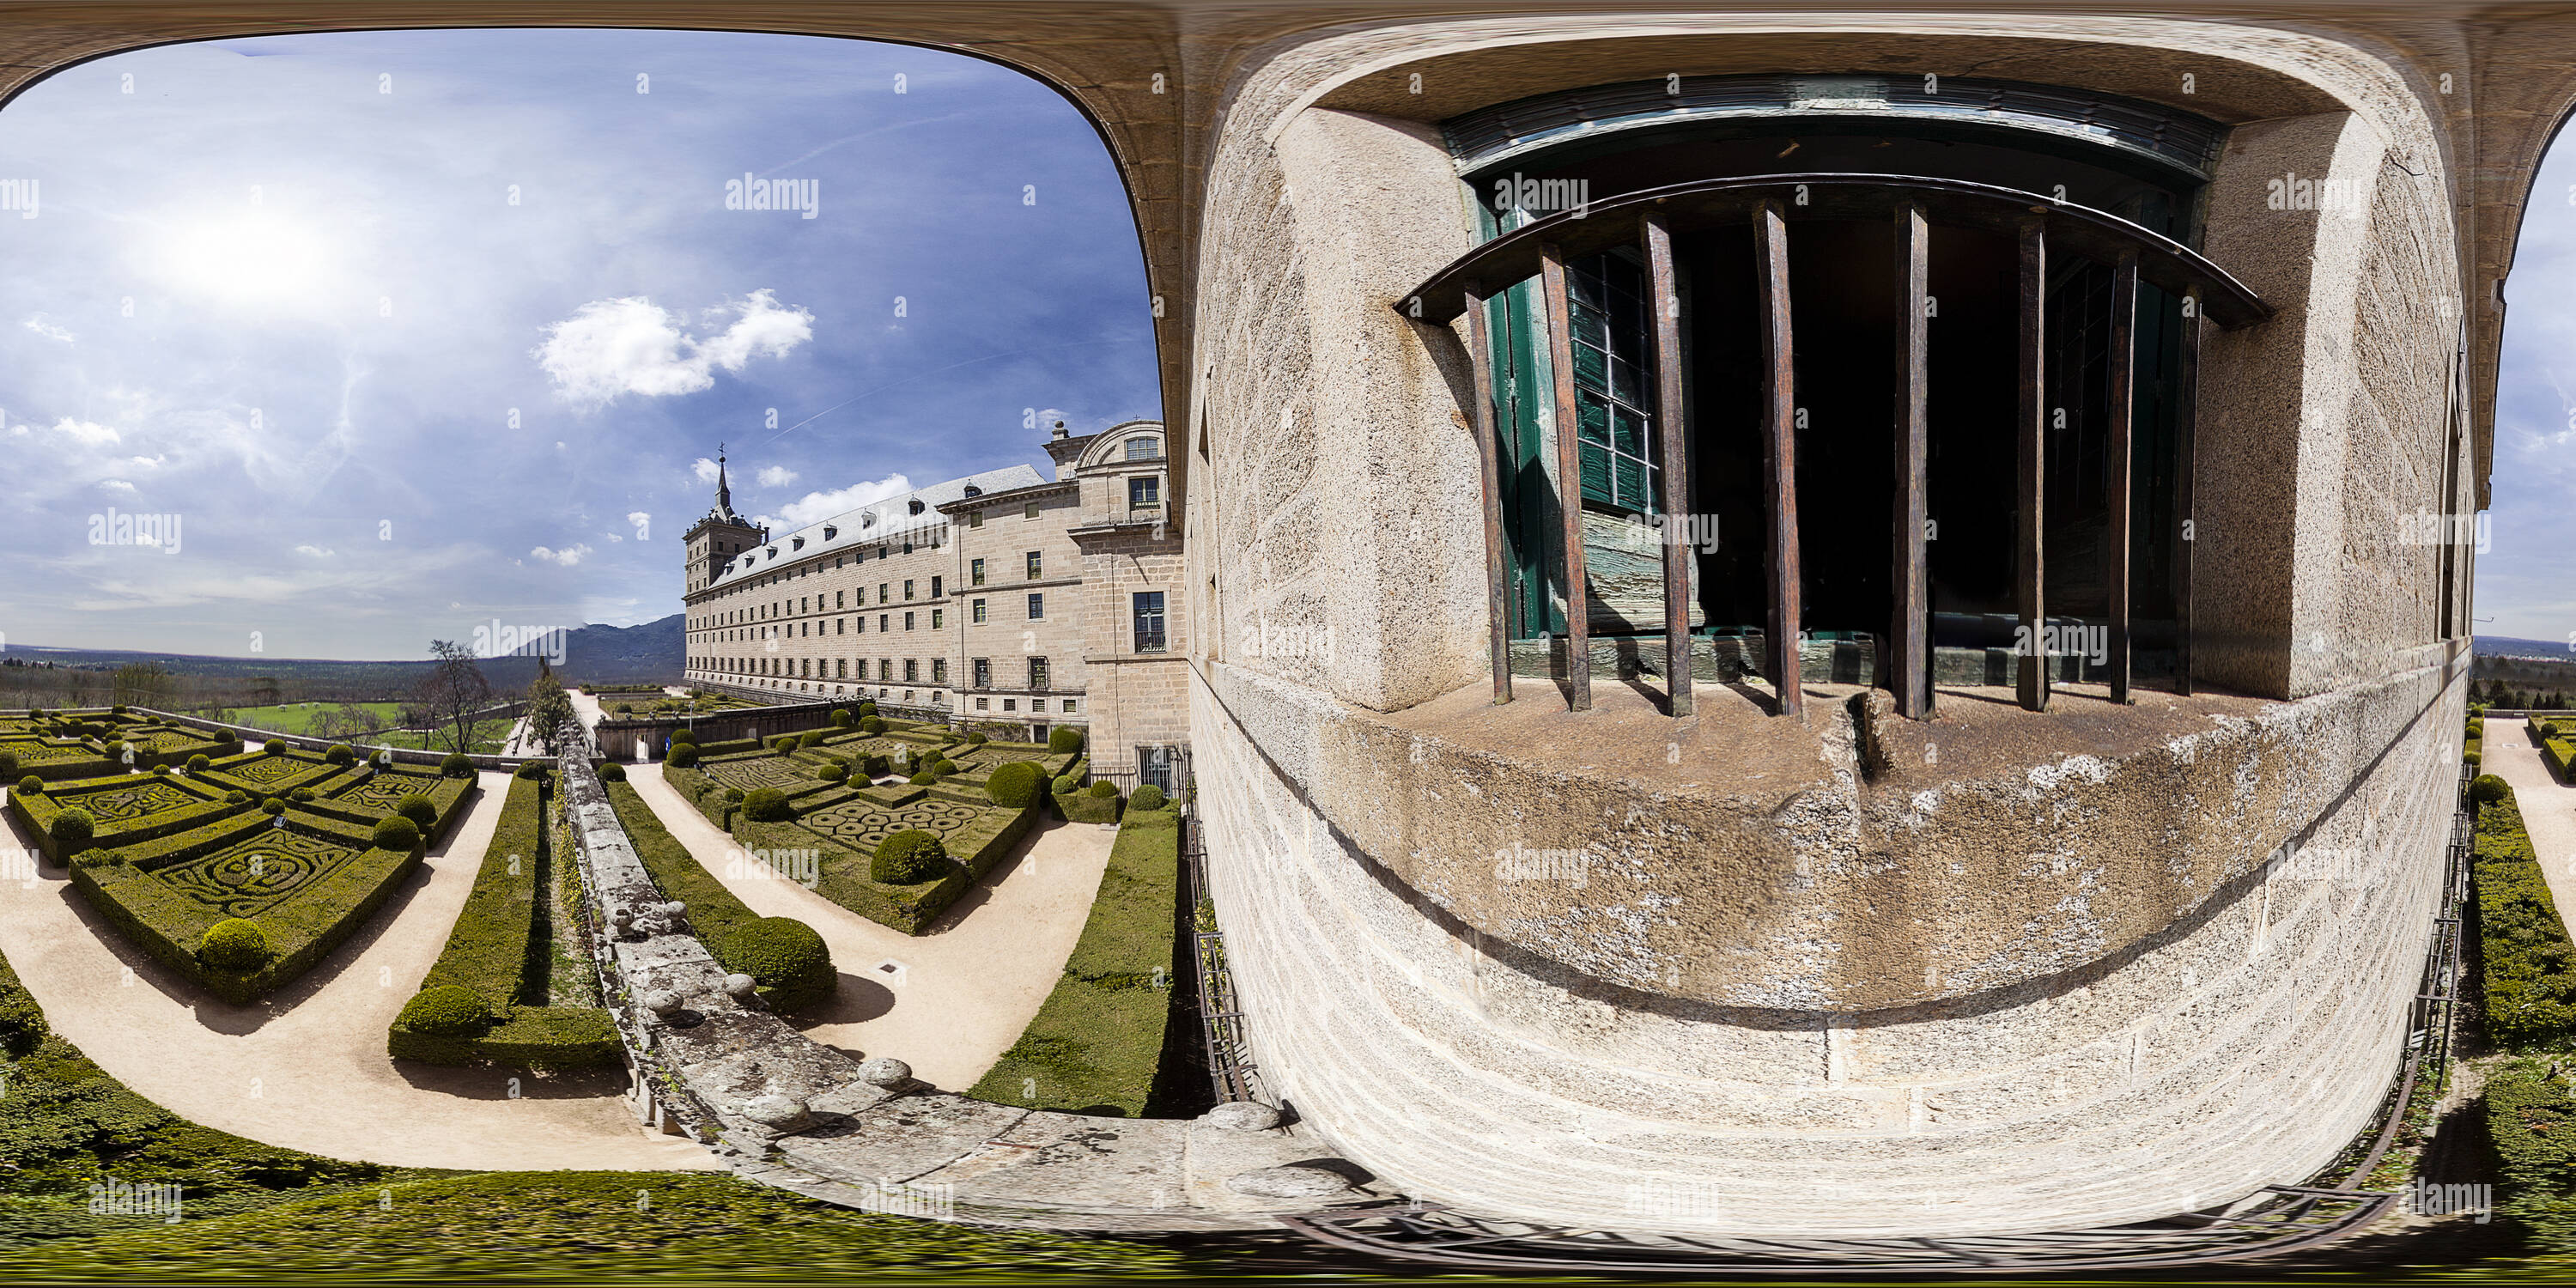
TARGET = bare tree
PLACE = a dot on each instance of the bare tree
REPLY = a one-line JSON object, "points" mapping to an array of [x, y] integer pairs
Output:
{"points": [[453, 691], [549, 707]]}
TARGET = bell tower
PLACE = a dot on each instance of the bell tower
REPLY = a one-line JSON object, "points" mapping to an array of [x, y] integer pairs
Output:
{"points": [[720, 535]]}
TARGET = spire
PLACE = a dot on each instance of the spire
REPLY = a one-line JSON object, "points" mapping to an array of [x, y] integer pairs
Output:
{"points": [[724, 488]]}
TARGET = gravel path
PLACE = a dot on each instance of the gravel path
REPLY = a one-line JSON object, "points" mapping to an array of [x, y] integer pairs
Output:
{"points": [[969, 987], [307, 1069]]}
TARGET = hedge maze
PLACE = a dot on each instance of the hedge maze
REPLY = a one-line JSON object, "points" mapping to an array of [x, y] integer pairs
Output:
{"points": [[826, 803], [287, 842]]}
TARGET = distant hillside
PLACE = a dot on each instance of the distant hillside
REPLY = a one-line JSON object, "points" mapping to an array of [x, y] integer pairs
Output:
{"points": [[597, 654], [2507, 646]]}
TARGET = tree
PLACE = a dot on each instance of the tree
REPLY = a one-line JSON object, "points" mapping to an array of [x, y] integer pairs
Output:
{"points": [[549, 708], [451, 693], [143, 684]]}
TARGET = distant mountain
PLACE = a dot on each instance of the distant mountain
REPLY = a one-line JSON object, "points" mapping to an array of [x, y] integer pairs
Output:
{"points": [[2507, 646], [597, 654]]}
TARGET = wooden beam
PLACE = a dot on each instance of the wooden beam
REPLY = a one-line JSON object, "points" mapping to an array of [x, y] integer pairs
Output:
{"points": [[2186, 417], [2123, 393], [1489, 457], [1780, 452], [1672, 440], [1906, 669], [1569, 478], [2031, 667]]}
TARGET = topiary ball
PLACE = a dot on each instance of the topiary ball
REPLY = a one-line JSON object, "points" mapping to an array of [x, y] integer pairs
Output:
{"points": [[1147, 797], [2487, 789], [237, 797], [612, 772], [785, 958], [943, 767], [1104, 790], [842, 719], [872, 726], [31, 786], [1067, 785], [811, 738], [867, 709], [118, 709], [684, 755], [397, 834], [926, 778], [909, 857], [835, 772], [2475, 759], [977, 739], [234, 945], [783, 742], [684, 734], [456, 765], [733, 795], [532, 770], [341, 754], [272, 807], [72, 831], [197, 763], [274, 746], [447, 1011], [1064, 738], [767, 805], [303, 793], [875, 765], [421, 810], [1015, 785]]}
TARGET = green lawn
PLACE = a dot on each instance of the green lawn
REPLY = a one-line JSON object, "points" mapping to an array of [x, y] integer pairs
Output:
{"points": [[297, 717]]}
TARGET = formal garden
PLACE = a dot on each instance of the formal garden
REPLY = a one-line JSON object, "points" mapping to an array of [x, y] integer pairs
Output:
{"points": [[238, 869], [905, 817]]}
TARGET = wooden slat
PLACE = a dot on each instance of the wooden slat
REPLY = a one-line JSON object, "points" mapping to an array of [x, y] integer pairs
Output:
{"points": [[1671, 438], [2186, 418], [1780, 452], [2031, 668], [2123, 393], [1489, 458], [1906, 671], [1569, 479]]}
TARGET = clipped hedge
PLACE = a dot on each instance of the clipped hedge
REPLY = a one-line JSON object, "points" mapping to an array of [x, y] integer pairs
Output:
{"points": [[1064, 738], [2531, 1123], [2527, 963], [1096, 1044], [2560, 756], [908, 907], [1088, 805], [714, 912], [301, 929], [785, 957], [1016, 785]]}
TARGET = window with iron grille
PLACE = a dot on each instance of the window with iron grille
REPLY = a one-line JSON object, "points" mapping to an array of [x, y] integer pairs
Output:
{"points": [[1037, 674], [1145, 492], [1149, 621], [983, 673]]}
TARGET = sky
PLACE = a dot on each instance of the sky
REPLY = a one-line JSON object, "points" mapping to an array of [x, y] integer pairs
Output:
{"points": [[326, 346], [2526, 579]]}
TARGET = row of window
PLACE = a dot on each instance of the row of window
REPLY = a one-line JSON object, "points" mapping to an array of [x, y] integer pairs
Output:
{"points": [[812, 668], [1034, 567], [1037, 706], [1146, 606]]}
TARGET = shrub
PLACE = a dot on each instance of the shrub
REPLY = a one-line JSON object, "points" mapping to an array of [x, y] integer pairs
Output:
{"points": [[867, 709], [532, 770], [976, 740], [733, 795], [926, 778], [303, 793], [2475, 759], [612, 772], [1067, 785], [1104, 789], [625, 708], [341, 754], [1147, 797], [683, 755], [811, 738], [874, 765], [421, 810], [783, 742], [872, 726], [8, 763], [786, 958], [447, 1011], [835, 772], [397, 834], [842, 720], [767, 805], [236, 797], [2523, 948], [1064, 738], [909, 857], [456, 765], [22, 1022], [943, 766], [118, 709], [31, 786], [234, 945], [272, 807], [1015, 785], [274, 746], [684, 734], [197, 763], [72, 830], [2487, 789], [2529, 1117]]}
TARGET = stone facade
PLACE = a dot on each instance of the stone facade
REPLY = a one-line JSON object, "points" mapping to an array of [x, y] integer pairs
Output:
{"points": [[1006, 599]]}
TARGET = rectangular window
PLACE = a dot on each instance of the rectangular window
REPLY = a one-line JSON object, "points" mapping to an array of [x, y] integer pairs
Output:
{"points": [[1149, 621], [983, 673], [837, 597], [1068, 706], [983, 704], [1037, 675], [907, 588], [885, 621], [840, 626], [863, 623], [1037, 608], [1031, 512], [907, 621], [1145, 492], [939, 670], [979, 612], [885, 669], [845, 668], [1037, 564], [885, 591], [975, 573], [1147, 448], [975, 519], [1010, 704], [912, 670], [934, 588], [862, 593], [937, 615]]}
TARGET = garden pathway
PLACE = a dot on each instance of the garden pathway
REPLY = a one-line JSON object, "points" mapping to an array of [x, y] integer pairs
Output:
{"points": [[969, 987], [308, 1069], [2548, 808]]}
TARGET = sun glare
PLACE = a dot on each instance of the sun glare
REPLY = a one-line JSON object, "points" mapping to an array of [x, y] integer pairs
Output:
{"points": [[253, 260]]}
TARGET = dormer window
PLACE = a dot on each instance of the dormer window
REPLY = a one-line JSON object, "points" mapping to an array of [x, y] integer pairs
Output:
{"points": [[972, 490], [773, 552], [830, 532], [797, 543], [916, 505]]}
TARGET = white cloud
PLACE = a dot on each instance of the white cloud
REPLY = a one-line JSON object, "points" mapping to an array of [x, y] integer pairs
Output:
{"points": [[639, 518], [86, 432], [630, 345], [814, 507], [704, 468], [317, 552], [567, 557], [45, 327], [776, 476], [116, 485]]}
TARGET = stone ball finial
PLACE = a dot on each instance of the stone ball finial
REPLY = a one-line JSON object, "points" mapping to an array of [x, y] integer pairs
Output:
{"points": [[885, 1071], [741, 987], [1242, 1115], [778, 1113], [622, 917], [662, 1001], [675, 910]]}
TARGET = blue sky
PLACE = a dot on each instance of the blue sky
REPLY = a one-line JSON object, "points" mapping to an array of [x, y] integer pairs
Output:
{"points": [[295, 291], [2526, 581]]}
